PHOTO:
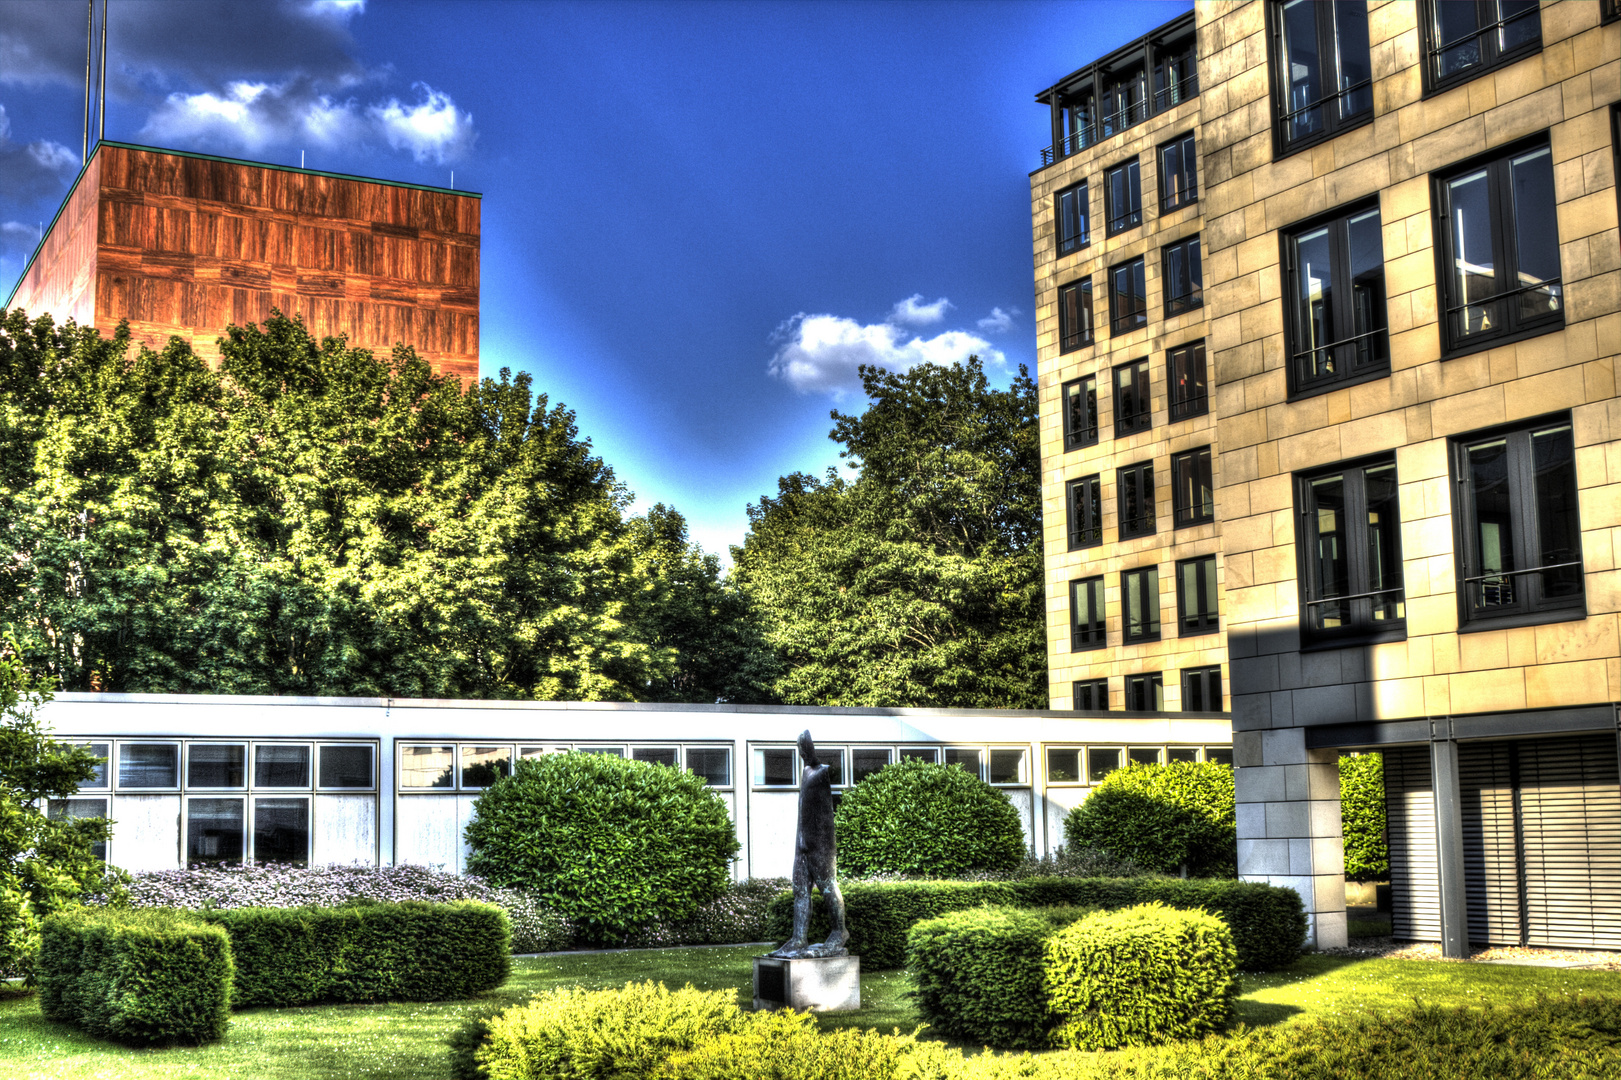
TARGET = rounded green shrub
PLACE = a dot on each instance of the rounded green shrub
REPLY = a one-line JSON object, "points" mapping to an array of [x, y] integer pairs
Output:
{"points": [[611, 844], [915, 817], [1139, 976], [1162, 817], [1362, 817]]}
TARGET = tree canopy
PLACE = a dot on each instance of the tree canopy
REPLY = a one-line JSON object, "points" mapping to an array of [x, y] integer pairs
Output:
{"points": [[919, 582], [312, 519]]}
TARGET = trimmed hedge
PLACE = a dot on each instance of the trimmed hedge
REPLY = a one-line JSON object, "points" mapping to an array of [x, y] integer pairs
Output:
{"points": [[979, 973], [1164, 817], [1139, 976], [411, 951], [788, 1046], [1362, 813], [140, 977], [1268, 923], [919, 817]]}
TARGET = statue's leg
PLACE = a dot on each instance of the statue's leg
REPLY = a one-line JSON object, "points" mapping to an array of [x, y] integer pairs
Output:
{"points": [[802, 909], [835, 908]]}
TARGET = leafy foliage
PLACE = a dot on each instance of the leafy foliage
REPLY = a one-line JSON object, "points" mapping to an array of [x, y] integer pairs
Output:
{"points": [[738, 916], [787, 1046], [45, 864], [612, 844], [980, 976], [139, 977], [1163, 817], [1139, 976], [311, 519], [920, 581], [1362, 817], [365, 951], [917, 817]]}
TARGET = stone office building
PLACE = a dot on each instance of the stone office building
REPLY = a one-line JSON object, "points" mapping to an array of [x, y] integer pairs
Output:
{"points": [[1348, 400]]}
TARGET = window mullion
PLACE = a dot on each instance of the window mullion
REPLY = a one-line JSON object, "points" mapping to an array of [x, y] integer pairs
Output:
{"points": [[1504, 278], [1356, 542], [1327, 65], [1523, 505]]}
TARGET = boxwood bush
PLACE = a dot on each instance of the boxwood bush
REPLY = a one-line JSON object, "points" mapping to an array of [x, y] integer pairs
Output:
{"points": [[612, 844], [1268, 923], [979, 973], [1138, 976], [140, 977], [366, 952], [916, 817], [1362, 816], [1163, 817]]}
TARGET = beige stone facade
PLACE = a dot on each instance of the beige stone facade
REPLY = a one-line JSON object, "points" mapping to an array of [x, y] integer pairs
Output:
{"points": [[1434, 673]]}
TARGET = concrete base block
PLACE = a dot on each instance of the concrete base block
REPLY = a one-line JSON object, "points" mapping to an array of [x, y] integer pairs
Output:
{"points": [[811, 984]]}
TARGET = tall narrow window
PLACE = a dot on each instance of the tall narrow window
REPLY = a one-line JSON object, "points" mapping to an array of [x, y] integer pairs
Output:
{"points": [[1521, 547], [1337, 329], [1075, 315], [1091, 695], [1128, 297], [1133, 404], [1139, 605], [1193, 499], [1196, 596], [1146, 692], [1178, 174], [1176, 76], [1124, 102], [1350, 544], [1074, 230], [1086, 619], [1135, 497], [1081, 412], [1201, 689], [1124, 196], [1499, 241], [1085, 510], [1465, 38], [1187, 382], [1323, 72], [1184, 278]]}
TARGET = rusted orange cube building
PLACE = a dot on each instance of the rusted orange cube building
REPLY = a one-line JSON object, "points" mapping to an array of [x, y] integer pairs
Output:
{"points": [[186, 244]]}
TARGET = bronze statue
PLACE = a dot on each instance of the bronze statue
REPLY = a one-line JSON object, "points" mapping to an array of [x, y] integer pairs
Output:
{"points": [[813, 860]]}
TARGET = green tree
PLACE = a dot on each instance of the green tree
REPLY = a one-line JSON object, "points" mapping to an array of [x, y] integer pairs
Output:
{"points": [[45, 864], [919, 582], [1362, 814]]}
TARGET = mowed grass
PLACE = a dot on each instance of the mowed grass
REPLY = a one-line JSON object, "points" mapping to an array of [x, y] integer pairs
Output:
{"points": [[407, 1040]]}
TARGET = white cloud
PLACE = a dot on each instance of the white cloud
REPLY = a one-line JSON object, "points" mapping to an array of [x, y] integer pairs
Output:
{"points": [[998, 321], [912, 312], [821, 353], [254, 115], [33, 170]]}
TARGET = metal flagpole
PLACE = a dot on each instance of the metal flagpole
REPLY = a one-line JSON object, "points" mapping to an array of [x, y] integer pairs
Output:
{"points": [[102, 133], [89, 46]]}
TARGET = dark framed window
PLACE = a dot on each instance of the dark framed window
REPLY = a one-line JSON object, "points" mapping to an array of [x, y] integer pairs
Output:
{"points": [[1520, 543], [1090, 694], [1193, 495], [1184, 277], [1136, 500], [1350, 550], [1146, 692], [1187, 382], [1497, 242], [1086, 622], [1178, 174], [1466, 38], [1123, 196], [1139, 605], [1084, 499], [1125, 102], [1196, 597], [1610, 11], [1075, 315], [1337, 331], [1176, 75], [1128, 297], [1074, 219], [1081, 412], [1133, 403], [1201, 689], [1322, 71]]}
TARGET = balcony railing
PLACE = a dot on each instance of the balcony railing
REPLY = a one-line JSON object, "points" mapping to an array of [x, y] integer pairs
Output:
{"points": [[1121, 119]]}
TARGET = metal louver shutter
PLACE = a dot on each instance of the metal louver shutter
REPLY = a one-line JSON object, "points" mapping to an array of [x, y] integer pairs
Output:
{"points": [[1490, 848], [1415, 879], [1570, 807]]}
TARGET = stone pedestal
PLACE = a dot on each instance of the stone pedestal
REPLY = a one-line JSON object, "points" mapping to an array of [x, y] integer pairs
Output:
{"points": [[813, 983]]}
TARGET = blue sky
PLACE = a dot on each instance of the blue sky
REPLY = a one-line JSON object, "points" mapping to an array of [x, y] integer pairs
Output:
{"points": [[698, 218]]}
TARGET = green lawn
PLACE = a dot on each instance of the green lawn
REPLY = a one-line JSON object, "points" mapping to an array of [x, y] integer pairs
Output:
{"points": [[407, 1040]]}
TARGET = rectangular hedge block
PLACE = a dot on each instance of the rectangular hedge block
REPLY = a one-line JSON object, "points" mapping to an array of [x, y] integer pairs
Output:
{"points": [[143, 977]]}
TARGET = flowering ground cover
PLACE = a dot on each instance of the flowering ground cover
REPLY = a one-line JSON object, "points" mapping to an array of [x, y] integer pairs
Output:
{"points": [[406, 1041]]}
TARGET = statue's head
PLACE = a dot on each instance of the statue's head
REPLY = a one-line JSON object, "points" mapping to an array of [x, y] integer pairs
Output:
{"points": [[807, 748]]}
